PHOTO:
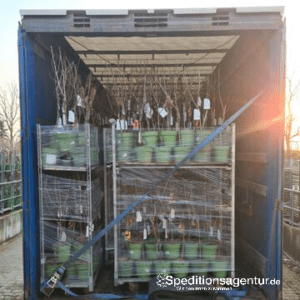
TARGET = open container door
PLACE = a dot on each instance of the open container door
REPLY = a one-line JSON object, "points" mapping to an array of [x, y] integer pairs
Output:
{"points": [[254, 62]]}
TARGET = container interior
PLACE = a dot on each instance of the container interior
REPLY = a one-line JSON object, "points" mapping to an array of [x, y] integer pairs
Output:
{"points": [[229, 65]]}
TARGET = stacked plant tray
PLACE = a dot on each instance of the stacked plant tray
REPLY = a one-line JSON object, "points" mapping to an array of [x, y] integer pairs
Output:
{"points": [[185, 225], [70, 201]]}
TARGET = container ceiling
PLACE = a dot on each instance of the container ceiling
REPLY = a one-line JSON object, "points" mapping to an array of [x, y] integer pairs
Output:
{"points": [[116, 59]]}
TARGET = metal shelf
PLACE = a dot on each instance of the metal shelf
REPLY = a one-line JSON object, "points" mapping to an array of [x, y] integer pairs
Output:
{"points": [[212, 165], [67, 168]]}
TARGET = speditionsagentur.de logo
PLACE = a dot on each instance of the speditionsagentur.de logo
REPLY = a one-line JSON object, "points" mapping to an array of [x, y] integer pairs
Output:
{"points": [[162, 280]]}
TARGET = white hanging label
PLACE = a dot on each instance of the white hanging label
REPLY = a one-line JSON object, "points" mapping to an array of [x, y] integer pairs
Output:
{"points": [[50, 159], [79, 101], [63, 237], [162, 112], [211, 232], [196, 114], [172, 214], [145, 234], [166, 233], [219, 235], [121, 124], [206, 104], [199, 101], [139, 216], [71, 117], [87, 231], [164, 225], [171, 121], [148, 229], [148, 111]]}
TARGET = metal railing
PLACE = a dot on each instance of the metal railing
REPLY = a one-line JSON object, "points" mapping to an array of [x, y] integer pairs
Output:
{"points": [[291, 197], [10, 182]]}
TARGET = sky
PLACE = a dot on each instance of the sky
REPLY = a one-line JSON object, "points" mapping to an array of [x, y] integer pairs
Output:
{"points": [[10, 17]]}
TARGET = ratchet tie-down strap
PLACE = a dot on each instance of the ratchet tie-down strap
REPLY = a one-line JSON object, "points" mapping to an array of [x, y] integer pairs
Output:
{"points": [[47, 287]]}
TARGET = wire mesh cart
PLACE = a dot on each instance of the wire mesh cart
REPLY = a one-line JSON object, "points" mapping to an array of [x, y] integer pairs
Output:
{"points": [[185, 225], [70, 201]]}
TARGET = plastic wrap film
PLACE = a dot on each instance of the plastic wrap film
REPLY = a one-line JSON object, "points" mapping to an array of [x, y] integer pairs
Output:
{"points": [[186, 225], [71, 199], [60, 243], [68, 199], [169, 146], [68, 146]]}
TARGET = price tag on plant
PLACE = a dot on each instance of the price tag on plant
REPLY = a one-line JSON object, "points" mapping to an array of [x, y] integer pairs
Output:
{"points": [[164, 225], [206, 104], [71, 116], [139, 216], [219, 235], [199, 101], [166, 233], [196, 114], [63, 237], [172, 214], [79, 101], [163, 113], [148, 229], [145, 234]]}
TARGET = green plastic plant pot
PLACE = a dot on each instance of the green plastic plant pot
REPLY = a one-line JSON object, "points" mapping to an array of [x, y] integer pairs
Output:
{"points": [[127, 139], [220, 268], [169, 137], [151, 252], [123, 155], [162, 154], [200, 135], [150, 138], [199, 267], [181, 268], [67, 141], [172, 251], [83, 270], [181, 153], [50, 267], [187, 137], [135, 251], [221, 153], [191, 250], [162, 267], [143, 268], [203, 154], [63, 252], [209, 250], [125, 268], [72, 270], [143, 154]]}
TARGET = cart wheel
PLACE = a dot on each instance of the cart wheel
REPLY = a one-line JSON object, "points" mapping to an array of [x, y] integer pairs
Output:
{"points": [[133, 287]]}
